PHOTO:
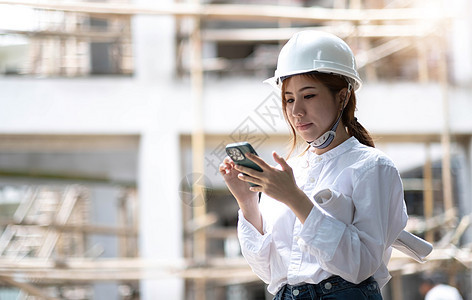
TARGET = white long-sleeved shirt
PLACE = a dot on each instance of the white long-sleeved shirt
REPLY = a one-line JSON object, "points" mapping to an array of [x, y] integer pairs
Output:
{"points": [[292, 252]]}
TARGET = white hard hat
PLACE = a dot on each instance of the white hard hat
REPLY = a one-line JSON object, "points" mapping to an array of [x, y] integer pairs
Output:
{"points": [[312, 50]]}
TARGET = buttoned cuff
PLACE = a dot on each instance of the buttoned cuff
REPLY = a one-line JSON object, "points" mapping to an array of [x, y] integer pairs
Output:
{"points": [[249, 237], [320, 234]]}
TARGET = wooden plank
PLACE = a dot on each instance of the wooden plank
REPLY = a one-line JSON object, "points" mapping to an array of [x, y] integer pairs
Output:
{"points": [[464, 224], [19, 217], [83, 228], [198, 152], [200, 274], [25, 204], [124, 269], [414, 137], [7, 235], [251, 35], [28, 288], [244, 12], [428, 194], [86, 270], [421, 48], [376, 53], [446, 126], [370, 69], [198, 141], [70, 142], [76, 177], [379, 137], [89, 35], [67, 204]]}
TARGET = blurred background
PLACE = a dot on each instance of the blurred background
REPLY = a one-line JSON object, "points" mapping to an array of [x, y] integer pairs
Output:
{"points": [[114, 116]]}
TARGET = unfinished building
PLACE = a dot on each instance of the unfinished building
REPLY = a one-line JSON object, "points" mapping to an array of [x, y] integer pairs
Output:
{"points": [[112, 131]]}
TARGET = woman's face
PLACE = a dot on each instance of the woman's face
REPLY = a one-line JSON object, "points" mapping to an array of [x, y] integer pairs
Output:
{"points": [[310, 106]]}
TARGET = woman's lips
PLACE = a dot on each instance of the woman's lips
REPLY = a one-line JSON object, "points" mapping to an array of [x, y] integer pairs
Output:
{"points": [[303, 126]]}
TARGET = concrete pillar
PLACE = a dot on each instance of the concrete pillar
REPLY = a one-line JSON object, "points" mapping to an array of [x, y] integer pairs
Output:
{"points": [[153, 44], [160, 219], [461, 39]]}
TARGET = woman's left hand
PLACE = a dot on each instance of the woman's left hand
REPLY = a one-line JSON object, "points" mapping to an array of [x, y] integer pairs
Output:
{"points": [[276, 183]]}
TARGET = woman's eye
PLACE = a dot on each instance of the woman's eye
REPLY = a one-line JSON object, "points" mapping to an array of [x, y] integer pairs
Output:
{"points": [[289, 100], [309, 96]]}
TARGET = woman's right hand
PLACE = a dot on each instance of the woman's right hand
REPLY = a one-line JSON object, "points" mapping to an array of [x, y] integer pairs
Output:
{"points": [[247, 200], [237, 187]]}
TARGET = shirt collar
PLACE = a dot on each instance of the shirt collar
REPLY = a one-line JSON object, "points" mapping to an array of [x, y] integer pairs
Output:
{"points": [[338, 150]]}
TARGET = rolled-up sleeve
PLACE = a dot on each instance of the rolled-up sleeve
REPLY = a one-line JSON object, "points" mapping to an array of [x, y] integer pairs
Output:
{"points": [[255, 247], [355, 251]]}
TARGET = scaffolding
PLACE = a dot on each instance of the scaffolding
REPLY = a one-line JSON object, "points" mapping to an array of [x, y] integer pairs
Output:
{"points": [[47, 236], [394, 39]]}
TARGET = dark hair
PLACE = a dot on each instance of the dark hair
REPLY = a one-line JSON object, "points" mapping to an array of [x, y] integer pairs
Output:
{"points": [[334, 83]]}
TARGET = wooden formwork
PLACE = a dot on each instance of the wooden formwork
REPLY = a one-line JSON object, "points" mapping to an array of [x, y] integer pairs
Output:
{"points": [[392, 31]]}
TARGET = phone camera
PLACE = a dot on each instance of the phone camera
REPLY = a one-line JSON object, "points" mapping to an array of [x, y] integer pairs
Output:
{"points": [[235, 154]]}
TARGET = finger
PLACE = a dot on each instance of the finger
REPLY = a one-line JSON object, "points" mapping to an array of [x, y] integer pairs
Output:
{"points": [[228, 160], [248, 171], [224, 168], [259, 161], [256, 189], [281, 161], [249, 179]]}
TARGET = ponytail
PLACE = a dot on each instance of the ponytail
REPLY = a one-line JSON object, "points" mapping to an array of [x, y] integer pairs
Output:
{"points": [[355, 129]]}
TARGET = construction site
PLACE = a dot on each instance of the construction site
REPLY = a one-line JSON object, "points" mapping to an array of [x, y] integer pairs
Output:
{"points": [[114, 116]]}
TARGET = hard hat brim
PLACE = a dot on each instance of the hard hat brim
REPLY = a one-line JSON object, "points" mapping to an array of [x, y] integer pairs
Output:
{"points": [[276, 81]]}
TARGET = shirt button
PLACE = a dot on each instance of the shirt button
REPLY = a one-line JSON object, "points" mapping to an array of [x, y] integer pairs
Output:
{"points": [[296, 292], [328, 285]]}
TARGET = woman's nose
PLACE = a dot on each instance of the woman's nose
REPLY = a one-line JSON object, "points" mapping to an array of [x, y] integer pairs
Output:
{"points": [[297, 109]]}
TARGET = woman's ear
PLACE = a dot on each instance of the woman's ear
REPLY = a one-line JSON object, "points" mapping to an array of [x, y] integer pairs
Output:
{"points": [[344, 96]]}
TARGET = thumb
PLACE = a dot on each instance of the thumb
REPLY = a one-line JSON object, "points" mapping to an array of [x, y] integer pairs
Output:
{"points": [[281, 161]]}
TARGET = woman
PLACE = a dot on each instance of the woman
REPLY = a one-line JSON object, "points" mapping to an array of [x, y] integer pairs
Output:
{"points": [[289, 238]]}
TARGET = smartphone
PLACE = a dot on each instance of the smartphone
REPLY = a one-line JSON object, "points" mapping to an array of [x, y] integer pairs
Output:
{"points": [[237, 152]]}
